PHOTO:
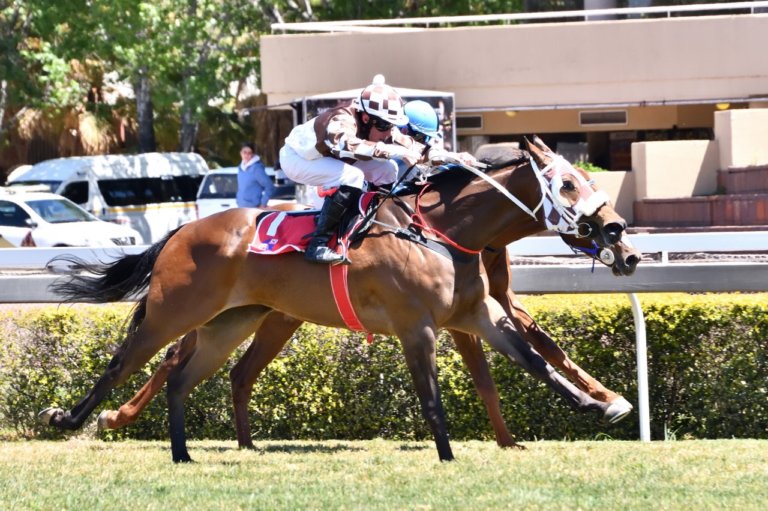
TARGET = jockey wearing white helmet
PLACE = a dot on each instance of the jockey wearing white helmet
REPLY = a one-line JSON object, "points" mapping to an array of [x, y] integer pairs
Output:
{"points": [[343, 147]]}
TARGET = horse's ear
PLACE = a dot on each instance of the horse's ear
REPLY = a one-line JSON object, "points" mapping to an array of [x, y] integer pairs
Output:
{"points": [[536, 153], [541, 145]]}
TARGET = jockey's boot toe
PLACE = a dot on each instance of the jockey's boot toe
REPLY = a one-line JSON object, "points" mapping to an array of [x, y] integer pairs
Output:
{"points": [[323, 255]]}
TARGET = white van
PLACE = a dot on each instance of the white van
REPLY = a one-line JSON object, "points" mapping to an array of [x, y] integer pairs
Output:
{"points": [[152, 193]]}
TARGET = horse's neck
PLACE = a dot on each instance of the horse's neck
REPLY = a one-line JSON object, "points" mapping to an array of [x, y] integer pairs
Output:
{"points": [[477, 215]]}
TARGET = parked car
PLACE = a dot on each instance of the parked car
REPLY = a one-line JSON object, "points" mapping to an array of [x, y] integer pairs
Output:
{"points": [[48, 220], [219, 187], [152, 193]]}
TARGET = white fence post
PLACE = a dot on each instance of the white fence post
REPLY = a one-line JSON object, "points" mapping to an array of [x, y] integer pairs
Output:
{"points": [[642, 369]]}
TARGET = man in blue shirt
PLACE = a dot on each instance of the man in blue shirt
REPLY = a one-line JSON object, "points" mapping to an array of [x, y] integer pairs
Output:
{"points": [[254, 186]]}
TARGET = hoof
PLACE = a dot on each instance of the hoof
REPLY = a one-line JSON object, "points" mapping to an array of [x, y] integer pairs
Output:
{"points": [[618, 409], [101, 421], [46, 415]]}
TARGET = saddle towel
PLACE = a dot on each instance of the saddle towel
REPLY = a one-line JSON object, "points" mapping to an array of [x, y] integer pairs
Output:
{"points": [[281, 232]]}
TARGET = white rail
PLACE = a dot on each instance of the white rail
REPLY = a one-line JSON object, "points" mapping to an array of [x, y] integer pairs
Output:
{"points": [[371, 25]]}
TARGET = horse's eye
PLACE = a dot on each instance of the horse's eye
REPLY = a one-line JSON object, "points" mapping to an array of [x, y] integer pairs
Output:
{"points": [[568, 186]]}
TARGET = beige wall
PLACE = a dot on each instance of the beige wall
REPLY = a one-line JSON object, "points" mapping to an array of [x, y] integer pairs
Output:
{"points": [[742, 136], [567, 121], [680, 168], [620, 187], [534, 64]]}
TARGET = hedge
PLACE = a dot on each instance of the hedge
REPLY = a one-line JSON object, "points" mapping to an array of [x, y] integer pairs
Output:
{"points": [[707, 370]]}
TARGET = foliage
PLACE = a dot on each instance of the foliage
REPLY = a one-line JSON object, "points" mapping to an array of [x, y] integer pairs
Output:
{"points": [[585, 165], [707, 369]]}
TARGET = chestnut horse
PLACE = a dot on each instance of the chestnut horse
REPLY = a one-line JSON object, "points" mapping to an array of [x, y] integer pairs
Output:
{"points": [[201, 278], [277, 329]]}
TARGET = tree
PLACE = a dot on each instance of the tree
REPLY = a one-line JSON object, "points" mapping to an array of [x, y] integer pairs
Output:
{"points": [[32, 72]]}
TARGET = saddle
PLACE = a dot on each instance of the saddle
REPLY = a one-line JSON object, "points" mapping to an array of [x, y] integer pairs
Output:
{"points": [[281, 232]]}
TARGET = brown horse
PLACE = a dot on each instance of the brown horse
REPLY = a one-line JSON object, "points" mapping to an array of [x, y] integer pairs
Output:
{"points": [[277, 329], [201, 278]]}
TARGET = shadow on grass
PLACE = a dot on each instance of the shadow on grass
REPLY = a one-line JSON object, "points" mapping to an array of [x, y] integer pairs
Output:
{"points": [[410, 447], [309, 448]]}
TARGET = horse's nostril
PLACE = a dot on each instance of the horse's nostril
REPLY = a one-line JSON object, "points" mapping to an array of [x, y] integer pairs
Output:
{"points": [[632, 260]]}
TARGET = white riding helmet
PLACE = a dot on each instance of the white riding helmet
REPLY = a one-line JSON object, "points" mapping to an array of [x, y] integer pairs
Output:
{"points": [[382, 101]]}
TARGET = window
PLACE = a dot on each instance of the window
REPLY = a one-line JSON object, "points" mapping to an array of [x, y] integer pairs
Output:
{"points": [[187, 187], [469, 122], [149, 190], [219, 186], [77, 192], [57, 211], [12, 215], [607, 117]]}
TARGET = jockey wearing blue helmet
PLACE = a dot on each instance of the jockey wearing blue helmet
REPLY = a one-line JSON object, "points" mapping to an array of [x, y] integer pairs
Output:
{"points": [[422, 121]]}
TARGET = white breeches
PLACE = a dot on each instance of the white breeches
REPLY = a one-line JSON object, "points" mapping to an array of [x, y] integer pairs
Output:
{"points": [[330, 172]]}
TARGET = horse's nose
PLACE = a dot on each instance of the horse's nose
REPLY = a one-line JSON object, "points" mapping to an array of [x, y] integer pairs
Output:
{"points": [[632, 261], [614, 230]]}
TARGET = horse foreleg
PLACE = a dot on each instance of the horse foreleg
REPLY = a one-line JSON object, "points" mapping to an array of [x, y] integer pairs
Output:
{"points": [[491, 323], [471, 351], [216, 340], [419, 349], [269, 340], [551, 352], [130, 411]]}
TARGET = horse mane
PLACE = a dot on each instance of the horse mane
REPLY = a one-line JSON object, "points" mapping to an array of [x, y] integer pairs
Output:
{"points": [[462, 177]]}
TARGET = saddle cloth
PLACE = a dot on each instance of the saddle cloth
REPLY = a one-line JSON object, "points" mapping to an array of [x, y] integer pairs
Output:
{"points": [[282, 232]]}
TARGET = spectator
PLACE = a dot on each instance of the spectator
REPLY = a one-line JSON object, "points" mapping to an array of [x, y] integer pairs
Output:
{"points": [[254, 186]]}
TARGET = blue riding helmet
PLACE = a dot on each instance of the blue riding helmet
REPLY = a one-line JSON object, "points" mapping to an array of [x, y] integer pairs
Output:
{"points": [[422, 118]]}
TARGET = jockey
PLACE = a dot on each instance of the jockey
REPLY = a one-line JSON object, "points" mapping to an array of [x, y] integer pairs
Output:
{"points": [[343, 147], [423, 127]]}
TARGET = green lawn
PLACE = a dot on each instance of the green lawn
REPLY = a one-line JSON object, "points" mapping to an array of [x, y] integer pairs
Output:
{"points": [[90, 474]]}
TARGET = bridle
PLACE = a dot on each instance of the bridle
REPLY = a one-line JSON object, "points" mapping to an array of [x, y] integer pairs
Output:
{"points": [[559, 215]]}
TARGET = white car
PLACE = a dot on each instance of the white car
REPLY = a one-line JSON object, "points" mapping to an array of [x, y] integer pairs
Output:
{"points": [[219, 187], [49, 220]]}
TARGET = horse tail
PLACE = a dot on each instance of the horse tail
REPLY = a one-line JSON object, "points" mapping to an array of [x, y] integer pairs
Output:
{"points": [[127, 276]]}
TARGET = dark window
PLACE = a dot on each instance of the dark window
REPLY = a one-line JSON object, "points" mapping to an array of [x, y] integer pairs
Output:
{"points": [[608, 117], [76, 192], [469, 122], [187, 187], [148, 190], [219, 186], [11, 215]]}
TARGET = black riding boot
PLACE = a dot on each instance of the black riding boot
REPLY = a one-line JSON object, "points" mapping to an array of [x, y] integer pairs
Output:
{"points": [[329, 217]]}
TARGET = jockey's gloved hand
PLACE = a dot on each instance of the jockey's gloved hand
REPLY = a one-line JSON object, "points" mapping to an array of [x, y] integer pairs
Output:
{"points": [[440, 157], [411, 158]]}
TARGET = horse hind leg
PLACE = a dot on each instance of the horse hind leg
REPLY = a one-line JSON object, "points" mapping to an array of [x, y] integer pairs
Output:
{"points": [[130, 411], [471, 351], [216, 341], [138, 348], [269, 340]]}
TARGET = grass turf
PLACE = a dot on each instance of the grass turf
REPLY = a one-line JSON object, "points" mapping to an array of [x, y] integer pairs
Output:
{"points": [[89, 474]]}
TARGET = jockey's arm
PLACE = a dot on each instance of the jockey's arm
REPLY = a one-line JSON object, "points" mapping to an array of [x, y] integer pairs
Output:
{"points": [[341, 138]]}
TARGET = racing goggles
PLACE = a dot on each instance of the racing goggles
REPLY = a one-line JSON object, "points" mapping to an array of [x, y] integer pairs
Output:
{"points": [[380, 124]]}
